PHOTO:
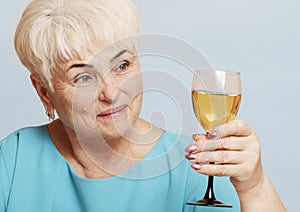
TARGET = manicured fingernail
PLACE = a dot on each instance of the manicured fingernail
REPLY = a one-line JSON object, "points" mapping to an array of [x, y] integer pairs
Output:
{"points": [[212, 134], [196, 166], [190, 148], [193, 148], [192, 156], [196, 137]]}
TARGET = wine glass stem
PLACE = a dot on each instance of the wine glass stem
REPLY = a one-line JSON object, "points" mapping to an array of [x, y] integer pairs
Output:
{"points": [[209, 195]]}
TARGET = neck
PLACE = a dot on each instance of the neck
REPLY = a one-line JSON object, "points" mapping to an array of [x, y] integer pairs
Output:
{"points": [[99, 158]]}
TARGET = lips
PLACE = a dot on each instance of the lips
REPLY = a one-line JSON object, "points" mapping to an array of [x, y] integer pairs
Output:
{"points": [[112, 112]]}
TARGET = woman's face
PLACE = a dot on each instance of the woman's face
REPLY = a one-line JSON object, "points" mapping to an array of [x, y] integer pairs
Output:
{"points": [[100, 94]]}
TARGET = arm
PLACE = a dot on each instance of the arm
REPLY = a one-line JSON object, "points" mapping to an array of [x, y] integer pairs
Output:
{"points": [[262, 197], [236, 150]]}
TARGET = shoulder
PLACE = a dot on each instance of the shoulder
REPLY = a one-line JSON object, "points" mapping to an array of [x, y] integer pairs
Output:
{"points": [[170, 149], [26, 131], [167, 156], [172, 145], [26, 134], [10, 152], [28, 162], [23, 141], [170, 139], [29, 150]]}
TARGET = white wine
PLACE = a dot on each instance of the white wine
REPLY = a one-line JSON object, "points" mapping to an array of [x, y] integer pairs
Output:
{"points": [[213, 109]]}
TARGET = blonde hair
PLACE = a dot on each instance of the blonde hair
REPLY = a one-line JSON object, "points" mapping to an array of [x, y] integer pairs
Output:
{"points": [[52, 32]]}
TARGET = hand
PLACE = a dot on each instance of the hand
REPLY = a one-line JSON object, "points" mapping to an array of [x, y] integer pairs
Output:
{"points": [[234, 148]]}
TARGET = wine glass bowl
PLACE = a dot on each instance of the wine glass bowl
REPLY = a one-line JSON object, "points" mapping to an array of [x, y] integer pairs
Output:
{"points": [[216, 97], [214, 108]]}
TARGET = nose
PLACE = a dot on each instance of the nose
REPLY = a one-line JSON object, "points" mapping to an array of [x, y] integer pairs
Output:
{"points": [[109, 91]]}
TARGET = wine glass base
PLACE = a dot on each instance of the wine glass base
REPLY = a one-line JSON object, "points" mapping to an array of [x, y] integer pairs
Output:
{"points": [[209, 203]]}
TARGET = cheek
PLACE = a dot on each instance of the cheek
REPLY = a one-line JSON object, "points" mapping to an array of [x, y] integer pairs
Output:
{"points": [[75, 106], [84, 100], [83, 111], [132, 86], [137, 104], [63, 101]]}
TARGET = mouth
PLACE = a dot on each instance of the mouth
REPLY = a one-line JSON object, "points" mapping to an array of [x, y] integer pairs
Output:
{"points": [[113, 112]]}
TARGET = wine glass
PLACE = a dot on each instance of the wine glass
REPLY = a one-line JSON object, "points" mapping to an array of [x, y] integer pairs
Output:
{"points": [[216, 96]]}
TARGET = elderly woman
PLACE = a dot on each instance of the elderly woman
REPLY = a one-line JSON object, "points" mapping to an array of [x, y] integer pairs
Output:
{"points": [[99, 155]]}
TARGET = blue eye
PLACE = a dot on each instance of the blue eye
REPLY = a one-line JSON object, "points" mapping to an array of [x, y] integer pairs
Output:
{"points": [[83, 78], [122, 67]]}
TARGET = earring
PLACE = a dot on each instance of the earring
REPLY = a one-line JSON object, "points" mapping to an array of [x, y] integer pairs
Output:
{"points": [[51, 117]]}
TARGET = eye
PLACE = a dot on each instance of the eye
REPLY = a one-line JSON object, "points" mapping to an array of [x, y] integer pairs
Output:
{"points": [[122, 66], [83, 78]]}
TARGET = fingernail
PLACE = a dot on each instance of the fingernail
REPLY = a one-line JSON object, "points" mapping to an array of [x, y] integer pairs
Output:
{"points": [[190, 148], [196, 137], [193, 148], [212, 135], [192, 156], [196, 166]]}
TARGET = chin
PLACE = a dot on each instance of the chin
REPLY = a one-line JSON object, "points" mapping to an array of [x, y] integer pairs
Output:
{"points": [[114, 134], [115, 130], [117, 127]]}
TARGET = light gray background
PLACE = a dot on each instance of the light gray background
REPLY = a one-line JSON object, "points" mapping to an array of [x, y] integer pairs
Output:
{"points": [[260, 39]]}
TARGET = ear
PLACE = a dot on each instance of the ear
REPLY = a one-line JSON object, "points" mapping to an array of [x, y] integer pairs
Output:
{"points": [[43, 92]]}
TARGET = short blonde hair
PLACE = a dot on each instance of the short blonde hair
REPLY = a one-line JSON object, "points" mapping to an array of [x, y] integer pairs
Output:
{"points": [[52, 32]]}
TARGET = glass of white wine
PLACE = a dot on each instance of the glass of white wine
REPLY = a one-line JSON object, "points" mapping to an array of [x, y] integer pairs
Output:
{"points": [[216, 96]]}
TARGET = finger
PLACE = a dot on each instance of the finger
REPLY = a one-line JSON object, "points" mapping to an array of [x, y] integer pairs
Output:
{"points": [[223, 157], [227, 143], [196, 138], [216, 169], [199, 137], [236, 127]]}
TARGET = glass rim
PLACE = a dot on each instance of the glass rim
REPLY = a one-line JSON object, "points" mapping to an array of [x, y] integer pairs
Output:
{"points": [[217, 70]]}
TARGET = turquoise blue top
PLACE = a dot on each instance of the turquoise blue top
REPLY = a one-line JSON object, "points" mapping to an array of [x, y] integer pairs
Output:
{"points": [[34, 177]]}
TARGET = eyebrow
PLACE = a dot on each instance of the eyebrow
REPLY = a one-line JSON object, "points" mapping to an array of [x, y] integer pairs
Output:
{"points": [[82, 65], [120, 54], [79, 65]]}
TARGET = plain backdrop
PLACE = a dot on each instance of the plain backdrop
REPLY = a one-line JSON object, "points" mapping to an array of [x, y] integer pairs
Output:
{"points": [[260, 39]]}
